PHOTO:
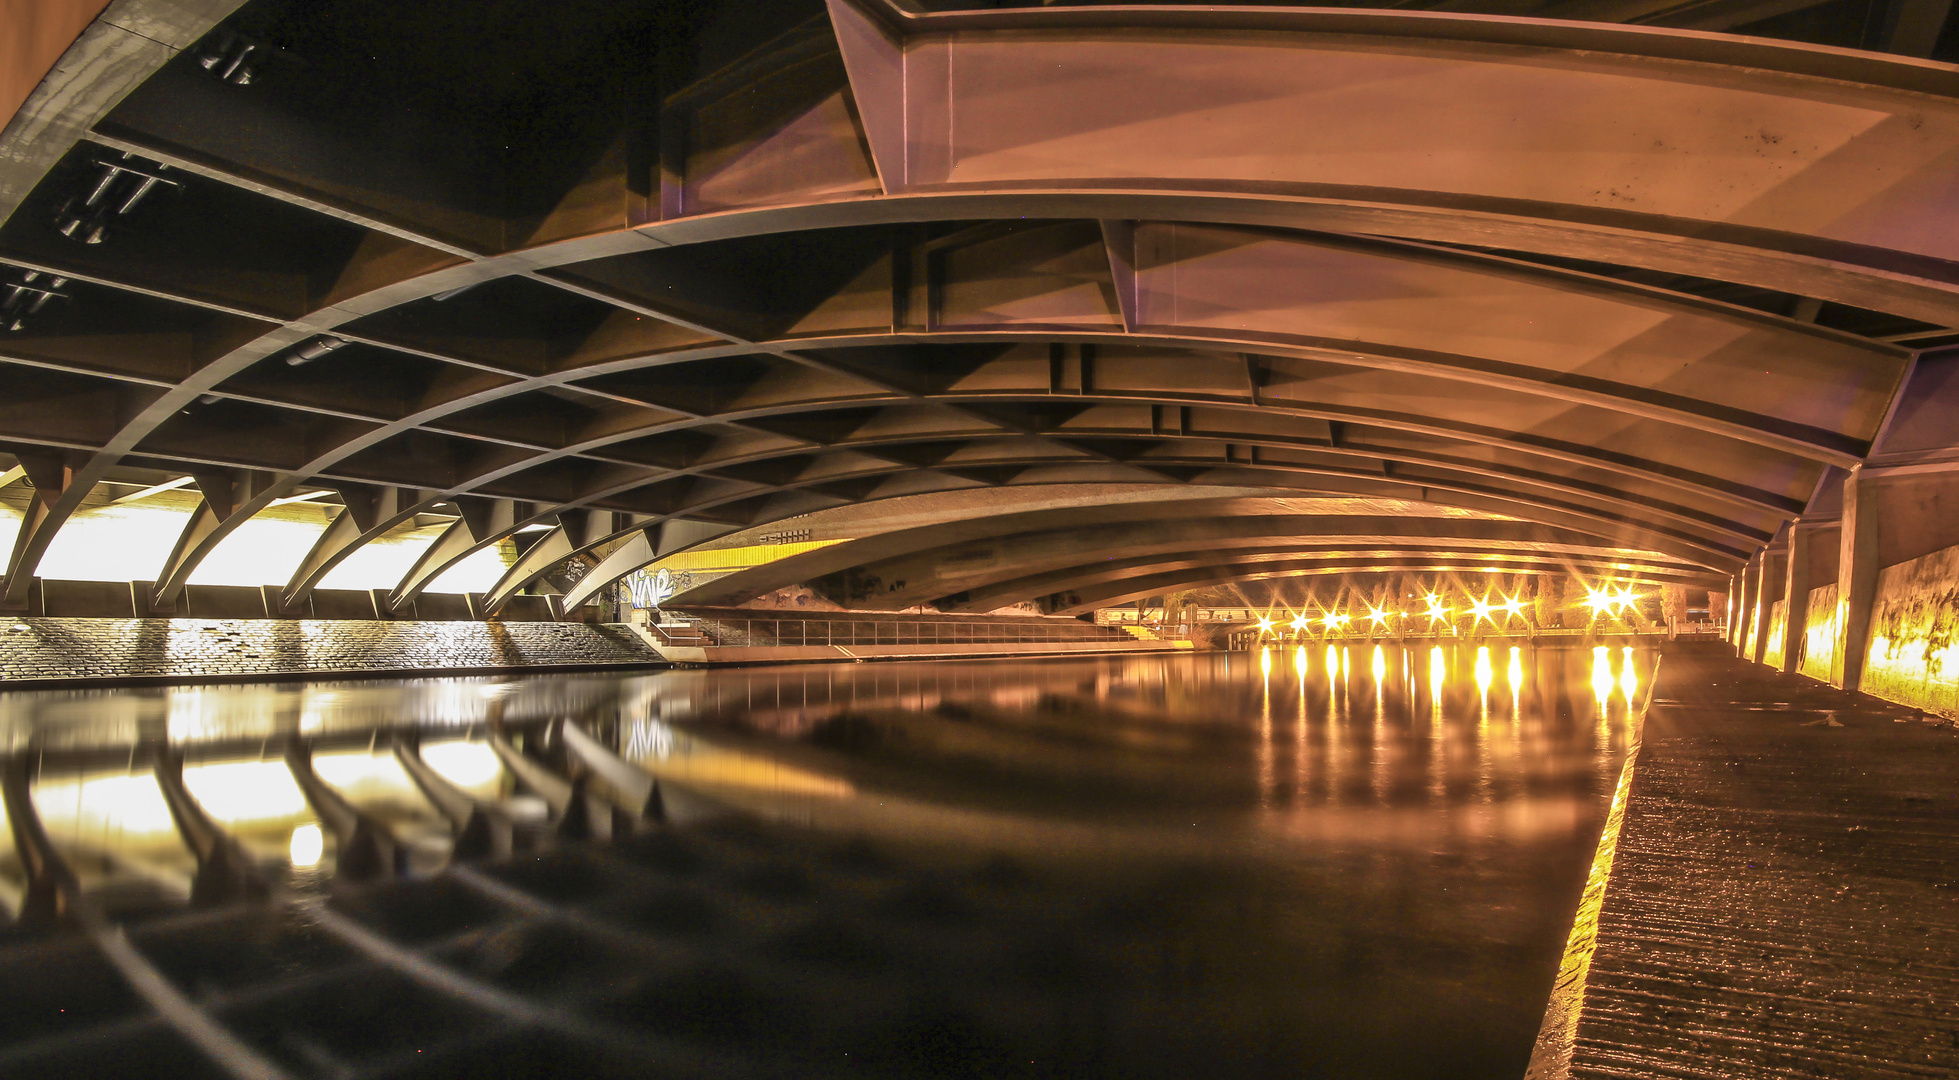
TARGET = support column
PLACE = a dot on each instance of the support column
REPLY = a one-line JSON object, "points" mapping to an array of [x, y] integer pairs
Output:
{"points": [[1795, 596], [1751, 589], [1773, 569], [1857, 568]]}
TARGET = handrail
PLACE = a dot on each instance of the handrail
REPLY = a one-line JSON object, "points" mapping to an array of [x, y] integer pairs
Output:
{"points": [[847, 632]]}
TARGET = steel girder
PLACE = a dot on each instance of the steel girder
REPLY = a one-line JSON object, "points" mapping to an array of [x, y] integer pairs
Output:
{"points": [[660, 361]]}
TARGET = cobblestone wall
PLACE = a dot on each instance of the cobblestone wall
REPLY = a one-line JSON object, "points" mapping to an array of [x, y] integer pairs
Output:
{"points": [[40, 649]]}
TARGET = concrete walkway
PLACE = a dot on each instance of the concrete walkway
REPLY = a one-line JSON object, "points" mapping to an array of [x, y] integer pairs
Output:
{"points": [[727, 655], [1785, 897]]}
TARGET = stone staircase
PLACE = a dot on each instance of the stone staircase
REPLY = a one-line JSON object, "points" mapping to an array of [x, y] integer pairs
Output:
{"points": [[677, 631]]}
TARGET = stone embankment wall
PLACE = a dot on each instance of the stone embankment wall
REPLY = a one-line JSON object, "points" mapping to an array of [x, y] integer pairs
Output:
{"points": [[44, 650], [1820, 632], [1914, 649], [1913, 654], [1772, 653]]}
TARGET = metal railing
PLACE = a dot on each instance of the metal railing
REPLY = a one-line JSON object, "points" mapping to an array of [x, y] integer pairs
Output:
{"points": [[848, 632]]}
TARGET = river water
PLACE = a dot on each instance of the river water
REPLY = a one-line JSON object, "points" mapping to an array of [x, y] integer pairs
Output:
{"points": [[1305, 862]]}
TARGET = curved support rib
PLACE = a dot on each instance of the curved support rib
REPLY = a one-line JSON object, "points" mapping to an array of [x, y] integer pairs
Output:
{"points": [[579, 813], [370, 510], [56, 496], [1123, 592], [577, 531], [225, 870], [555, 790], [551, 549], [368, 849], [648, 545], [632, 787], [483, 522], [53, 896], [221, 510]]}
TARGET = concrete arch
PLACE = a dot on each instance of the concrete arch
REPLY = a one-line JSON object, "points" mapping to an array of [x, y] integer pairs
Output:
{"points": [[1016, 544], [1132, 589], [1163, 239]]}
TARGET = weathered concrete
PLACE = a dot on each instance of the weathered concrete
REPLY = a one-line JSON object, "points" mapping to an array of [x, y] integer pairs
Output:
{"points": [[1774, 578], [1857, 566], [1820, 633], [1777, 647], [39, 651], [1913, 657], [98, 53], [1782, 899], [1812, 560]]}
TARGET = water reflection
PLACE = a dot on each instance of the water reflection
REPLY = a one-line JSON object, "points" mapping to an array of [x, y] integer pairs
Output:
{"points": [[307, 845], [1602, 680], [1060, 853]]}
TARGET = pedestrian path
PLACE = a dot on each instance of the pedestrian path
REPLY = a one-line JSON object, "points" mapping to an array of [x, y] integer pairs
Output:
{"points": [[1784, 901]]}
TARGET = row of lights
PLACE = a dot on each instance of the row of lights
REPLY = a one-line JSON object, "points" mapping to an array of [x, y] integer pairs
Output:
{"points": [[1601, 601]]}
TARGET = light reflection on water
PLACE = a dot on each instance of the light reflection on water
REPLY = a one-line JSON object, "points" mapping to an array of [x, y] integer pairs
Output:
{"points": [[1336, 859]]}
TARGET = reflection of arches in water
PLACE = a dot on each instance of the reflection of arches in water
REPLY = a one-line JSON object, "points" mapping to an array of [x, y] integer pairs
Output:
{"points": [[1267, 780], [1438, 748], [1302, 748], [1383, 752], [1485, 762], [1516, 678], [1602, 681]]}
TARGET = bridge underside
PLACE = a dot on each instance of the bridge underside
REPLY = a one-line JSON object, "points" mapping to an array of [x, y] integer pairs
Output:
{"points": [[1307, 291]]}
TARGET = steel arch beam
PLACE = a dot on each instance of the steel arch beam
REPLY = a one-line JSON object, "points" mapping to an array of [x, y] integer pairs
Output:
{"points": [[896, 546], [1009, 562], [1794, 74], [1133, 589], [480, 524], [1164, 575], [1022, 551], [620, 563], [939, 124], [343, 541], [380, 433], [1061, 584]]}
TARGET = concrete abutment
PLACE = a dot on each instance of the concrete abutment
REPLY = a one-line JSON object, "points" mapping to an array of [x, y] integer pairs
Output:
{"points": [[1867, 601]]}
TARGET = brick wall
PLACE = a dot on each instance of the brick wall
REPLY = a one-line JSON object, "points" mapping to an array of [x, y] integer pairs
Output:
{"points": [[45, 649]]}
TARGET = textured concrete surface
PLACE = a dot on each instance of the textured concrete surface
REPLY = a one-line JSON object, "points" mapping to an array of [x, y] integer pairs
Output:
{"points": [[66, 650], [1820, 633], [1785, 898], [1914, 646]]}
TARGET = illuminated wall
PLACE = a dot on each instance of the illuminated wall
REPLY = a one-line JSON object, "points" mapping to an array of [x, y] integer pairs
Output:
{"points": [[1778, 634], [693, 568], [1820, 634], [130, 542], [1914, 644]]}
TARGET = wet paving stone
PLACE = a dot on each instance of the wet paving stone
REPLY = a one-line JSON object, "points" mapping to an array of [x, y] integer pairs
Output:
{"points": [[1785, 898], [65, 650]]}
